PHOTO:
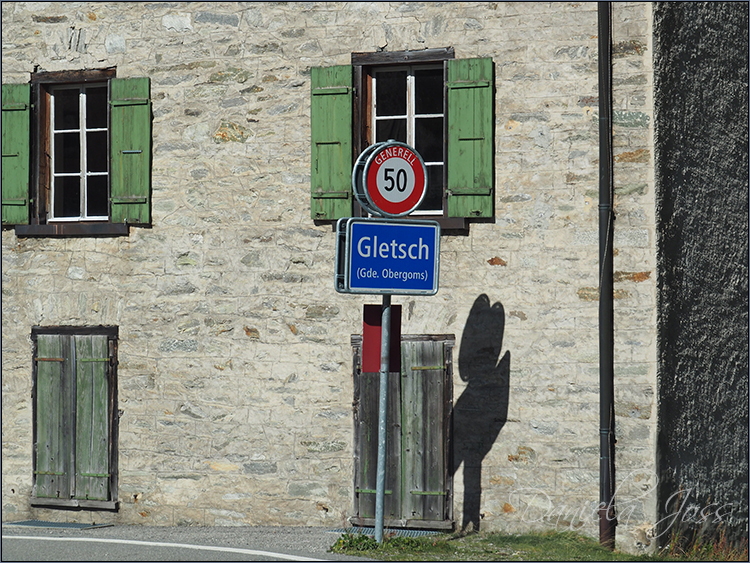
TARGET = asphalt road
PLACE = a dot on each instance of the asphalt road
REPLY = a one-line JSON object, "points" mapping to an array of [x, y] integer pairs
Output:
{"points": [[147, 543]]}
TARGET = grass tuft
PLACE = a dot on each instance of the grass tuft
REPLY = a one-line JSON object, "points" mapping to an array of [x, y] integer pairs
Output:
{"points": [[546, 546], [698, 545]]}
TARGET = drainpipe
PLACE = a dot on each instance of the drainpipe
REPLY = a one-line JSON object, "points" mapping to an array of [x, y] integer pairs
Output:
{"points": [[607, 517]]}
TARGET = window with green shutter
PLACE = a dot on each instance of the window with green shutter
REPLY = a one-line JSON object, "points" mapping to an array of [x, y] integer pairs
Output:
{"points": [[88, 152], [75, 420], [440, 105]]}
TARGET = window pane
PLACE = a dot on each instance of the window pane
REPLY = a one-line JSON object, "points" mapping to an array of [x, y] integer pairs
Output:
{"points": [[390, 93], [67, 152], [67, 196], [428, 90], [96, 107], [66, 109], [96, 200], [433, 199], [428, 140], [96, 151], [388, 129]]}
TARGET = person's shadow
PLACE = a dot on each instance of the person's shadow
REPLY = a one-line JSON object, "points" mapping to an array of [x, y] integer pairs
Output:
{"points": [[482, 409]]}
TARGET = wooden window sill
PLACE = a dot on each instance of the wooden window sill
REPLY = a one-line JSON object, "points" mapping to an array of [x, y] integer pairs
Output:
{"points": [[73, 230], [74, 503]]}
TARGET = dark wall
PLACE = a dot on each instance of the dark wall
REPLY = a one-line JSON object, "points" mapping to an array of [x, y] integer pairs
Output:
{"points": [[701, 125]]}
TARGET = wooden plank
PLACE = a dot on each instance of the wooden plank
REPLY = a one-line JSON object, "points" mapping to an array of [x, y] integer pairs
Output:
{"points": [[423, 423], [433, 505], [92, 418], [396, 57], [447, 426], [367, 446], [50, 469], [110, 331], [367, 436], [393, 472], [67, 408], [412, 430], [73, 76]]}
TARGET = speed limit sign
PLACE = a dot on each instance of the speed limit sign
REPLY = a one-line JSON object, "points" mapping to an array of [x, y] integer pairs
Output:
{"points": [[394, 179]]}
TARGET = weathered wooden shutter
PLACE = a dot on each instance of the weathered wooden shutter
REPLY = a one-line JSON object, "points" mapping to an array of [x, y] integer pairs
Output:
{"points": [[424, 431], [331, 150], [72, 414], [470, 137], [53, 424], [16, 159], [419, 487], [92, 418], [366, 426], [130, 140]]}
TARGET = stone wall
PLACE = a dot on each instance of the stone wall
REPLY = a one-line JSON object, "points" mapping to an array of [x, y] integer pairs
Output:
{"points": [[235, 367]]}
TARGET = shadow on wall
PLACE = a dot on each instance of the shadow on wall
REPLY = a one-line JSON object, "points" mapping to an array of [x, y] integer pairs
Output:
{"points": [[482, 409]]}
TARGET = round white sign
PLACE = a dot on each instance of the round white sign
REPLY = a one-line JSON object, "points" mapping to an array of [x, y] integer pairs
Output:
{"points": [[395, 179]]}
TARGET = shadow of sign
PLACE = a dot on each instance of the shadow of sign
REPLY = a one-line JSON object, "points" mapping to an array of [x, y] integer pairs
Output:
{"points": [[482, 409]]}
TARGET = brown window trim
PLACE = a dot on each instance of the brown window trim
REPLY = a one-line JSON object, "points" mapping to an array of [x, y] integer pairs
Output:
{"points": [[362, 65], [38, 227], [50, 230]]}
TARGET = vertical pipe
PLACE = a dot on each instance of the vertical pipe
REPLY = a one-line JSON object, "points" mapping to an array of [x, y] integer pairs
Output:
{"points": [[607, 518], [385, 345]]}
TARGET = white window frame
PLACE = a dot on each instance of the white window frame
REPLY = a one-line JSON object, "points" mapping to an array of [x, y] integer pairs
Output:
{"points": [[83, 174], [410, 116]]}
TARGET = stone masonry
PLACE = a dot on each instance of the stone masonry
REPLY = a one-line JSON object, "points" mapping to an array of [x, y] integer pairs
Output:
{"points": [[235, 385]]}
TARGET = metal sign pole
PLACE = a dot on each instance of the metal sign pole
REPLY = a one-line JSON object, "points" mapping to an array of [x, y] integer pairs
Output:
{"points": [[385, 344]]}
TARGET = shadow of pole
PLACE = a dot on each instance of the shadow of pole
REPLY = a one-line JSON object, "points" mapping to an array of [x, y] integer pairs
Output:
{"points": [[482, 409]]}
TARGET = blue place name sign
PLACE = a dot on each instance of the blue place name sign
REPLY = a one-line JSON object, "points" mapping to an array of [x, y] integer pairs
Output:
{"points": [[382, 256]]}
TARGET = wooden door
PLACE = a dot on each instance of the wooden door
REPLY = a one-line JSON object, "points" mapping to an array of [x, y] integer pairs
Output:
{"points": [[419, 488], [74, 417]]}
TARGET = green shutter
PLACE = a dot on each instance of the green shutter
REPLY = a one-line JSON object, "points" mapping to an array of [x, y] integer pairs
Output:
{"points": [[92, 423], [331, 131], [130, 119], [53, 436], [16, 147], [470, 138]]}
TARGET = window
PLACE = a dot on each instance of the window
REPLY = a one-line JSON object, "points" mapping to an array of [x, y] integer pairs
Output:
{"points": [[76, 154], [406, 104], [442, 106], [79, 132], [75, 417]]}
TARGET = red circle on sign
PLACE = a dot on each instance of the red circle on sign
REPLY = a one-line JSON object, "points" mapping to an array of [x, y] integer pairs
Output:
{"points": [[395, 179]]}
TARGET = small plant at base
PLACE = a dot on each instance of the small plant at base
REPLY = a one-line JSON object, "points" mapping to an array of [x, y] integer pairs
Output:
{"points": [[701, 538], [406, 544], [355, 542]]}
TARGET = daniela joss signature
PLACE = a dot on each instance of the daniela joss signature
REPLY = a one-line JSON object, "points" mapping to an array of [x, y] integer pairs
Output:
{"points": [[535, 505]]}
